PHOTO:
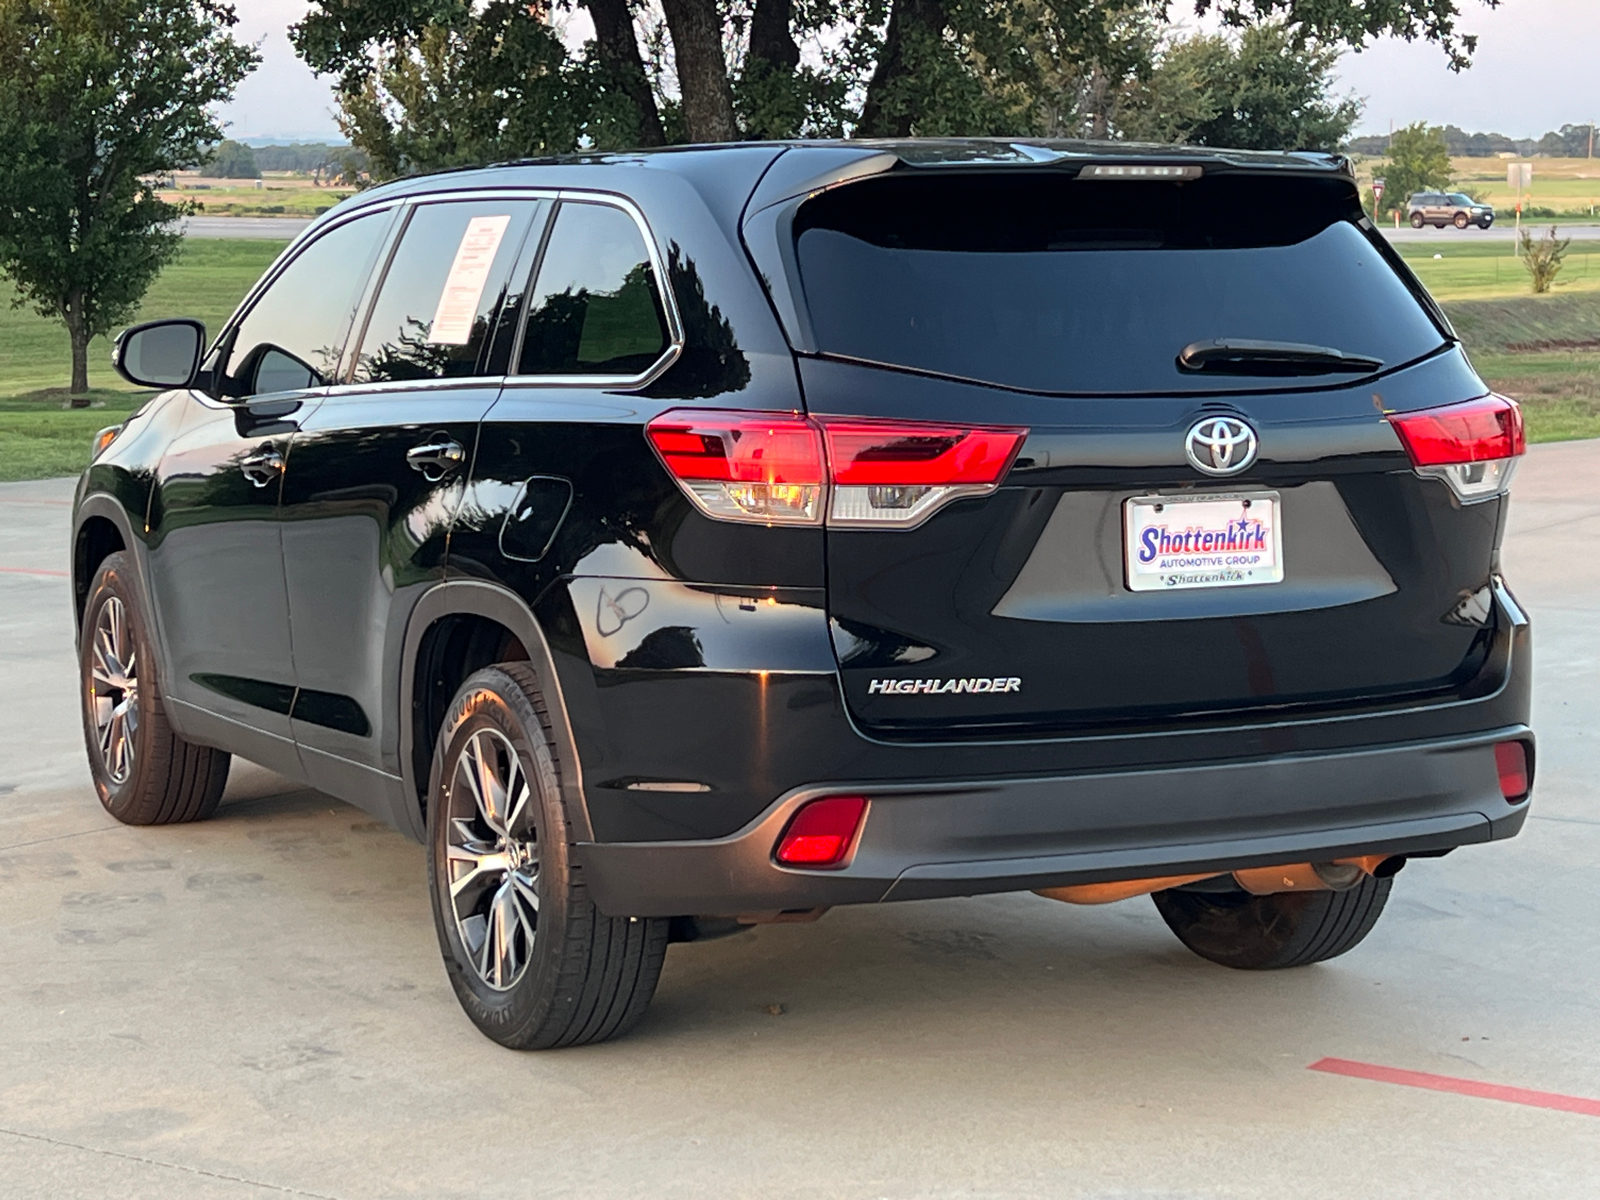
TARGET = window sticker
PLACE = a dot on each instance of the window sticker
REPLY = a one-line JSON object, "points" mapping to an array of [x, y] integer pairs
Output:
{"points": [[458, 303]]}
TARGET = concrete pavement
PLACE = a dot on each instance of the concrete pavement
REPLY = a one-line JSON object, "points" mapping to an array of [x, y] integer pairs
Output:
{"points": [[254, 1006]]}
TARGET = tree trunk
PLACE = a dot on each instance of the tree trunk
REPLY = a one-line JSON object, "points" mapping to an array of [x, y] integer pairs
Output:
{"points": [[884, 114], [696, 28], [619, 50], [78, 333], [770, 40]]}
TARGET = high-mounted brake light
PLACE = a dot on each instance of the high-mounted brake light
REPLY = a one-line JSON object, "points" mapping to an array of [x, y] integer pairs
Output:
{"points": [[822, 832], [742, 466], [1471, 446]]}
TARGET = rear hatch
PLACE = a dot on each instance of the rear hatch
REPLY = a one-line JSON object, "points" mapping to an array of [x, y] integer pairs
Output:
{"points": [[1126, 571]]}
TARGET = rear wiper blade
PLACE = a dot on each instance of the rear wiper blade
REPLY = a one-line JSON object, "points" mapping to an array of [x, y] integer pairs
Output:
{"points": [[1237, 356]]}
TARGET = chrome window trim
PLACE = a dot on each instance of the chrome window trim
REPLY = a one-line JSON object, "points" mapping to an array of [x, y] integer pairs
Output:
{"points": [[669, 305]]}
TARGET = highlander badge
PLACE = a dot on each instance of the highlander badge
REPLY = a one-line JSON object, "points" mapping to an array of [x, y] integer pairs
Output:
{"points": [[941, 687]]}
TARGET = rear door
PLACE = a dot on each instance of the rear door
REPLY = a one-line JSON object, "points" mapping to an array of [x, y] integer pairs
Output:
{"points": [[375, 475], [1297, 562]]}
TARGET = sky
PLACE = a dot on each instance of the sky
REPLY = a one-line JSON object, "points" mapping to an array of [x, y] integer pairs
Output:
{"points": [[1535, 70]]}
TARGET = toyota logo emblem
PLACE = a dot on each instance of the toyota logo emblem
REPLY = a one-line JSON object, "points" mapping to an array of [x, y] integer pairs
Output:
{"points": [[1220, 445]]}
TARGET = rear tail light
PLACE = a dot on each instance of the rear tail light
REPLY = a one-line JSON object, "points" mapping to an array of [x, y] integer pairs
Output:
{"points": [[781, 469], [1471, 446], [822, 832], [1511, 761], [895, 475], [745, 466]]}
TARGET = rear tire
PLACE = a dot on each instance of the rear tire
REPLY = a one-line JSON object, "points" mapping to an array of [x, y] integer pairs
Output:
{"points": [[144, 773], [533, 963], [1266, 933], [1417, 220]]}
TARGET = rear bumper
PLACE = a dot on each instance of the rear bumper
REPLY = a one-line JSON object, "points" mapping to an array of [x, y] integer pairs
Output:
{"points": [[933, 839]]}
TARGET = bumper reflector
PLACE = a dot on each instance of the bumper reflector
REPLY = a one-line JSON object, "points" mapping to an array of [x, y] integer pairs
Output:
{"points": [[1511, 760], [822, 832]]}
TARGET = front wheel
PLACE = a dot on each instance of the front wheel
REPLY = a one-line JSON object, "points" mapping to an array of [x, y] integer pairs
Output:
{"points": [[1264, 933], [534, 964], [1462, 220], [144, 773]]}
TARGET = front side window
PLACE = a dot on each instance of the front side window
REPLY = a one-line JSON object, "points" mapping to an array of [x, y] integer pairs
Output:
{"points": [[291, 338], [441, 290], [596, 305]]}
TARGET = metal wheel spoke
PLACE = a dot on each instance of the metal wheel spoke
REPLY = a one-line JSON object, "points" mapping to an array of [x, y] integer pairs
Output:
{"points": [[525, 885], [518, 791], [491, 792], [507, 924], [482, 865], [466, 768]]}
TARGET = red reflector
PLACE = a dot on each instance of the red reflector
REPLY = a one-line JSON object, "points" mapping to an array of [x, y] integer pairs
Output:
{"points": [[1477, 431], [902, 454], [1511, 760], [821, 833], [739, 447]]}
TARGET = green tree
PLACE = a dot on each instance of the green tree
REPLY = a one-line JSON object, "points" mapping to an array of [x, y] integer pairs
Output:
{"points": [[1419, 161], [1257, 90], [711, 70], [96, 96], [233, 160]]}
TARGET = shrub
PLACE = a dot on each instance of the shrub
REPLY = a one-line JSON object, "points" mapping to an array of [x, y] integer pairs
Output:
{"points": [[1543, 258]]}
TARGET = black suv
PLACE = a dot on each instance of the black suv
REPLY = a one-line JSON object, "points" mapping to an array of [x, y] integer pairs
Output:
{"points": [[688, 540]]}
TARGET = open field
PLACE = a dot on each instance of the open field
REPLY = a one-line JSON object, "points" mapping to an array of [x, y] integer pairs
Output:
{"points": [[1545, 350], [1462, 266], [278, 194], [1569, 186]]}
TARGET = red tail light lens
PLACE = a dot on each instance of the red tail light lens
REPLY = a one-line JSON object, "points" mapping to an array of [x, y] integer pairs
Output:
{"points": [[1511, 761], [1471, 446], [777, 468], [745, 466], [822, 832], [896, 474]]}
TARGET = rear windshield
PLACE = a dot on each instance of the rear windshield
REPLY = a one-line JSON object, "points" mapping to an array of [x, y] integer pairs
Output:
{"points": [[1055, 284]]}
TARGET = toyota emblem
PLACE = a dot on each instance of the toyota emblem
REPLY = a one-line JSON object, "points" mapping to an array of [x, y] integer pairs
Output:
{"points": [[1220, 445]]}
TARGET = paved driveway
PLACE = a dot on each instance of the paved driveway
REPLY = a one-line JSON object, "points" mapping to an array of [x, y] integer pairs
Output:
{"points": [[255, 1006]]}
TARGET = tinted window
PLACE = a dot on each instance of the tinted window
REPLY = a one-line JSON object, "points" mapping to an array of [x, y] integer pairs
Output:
{"points": [[441, 290], [1460, 198], [1056, 285], [292, 336], [595, 308]]}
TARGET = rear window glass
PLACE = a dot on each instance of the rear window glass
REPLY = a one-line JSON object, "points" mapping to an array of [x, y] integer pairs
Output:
{"points": [[1053, 284]]}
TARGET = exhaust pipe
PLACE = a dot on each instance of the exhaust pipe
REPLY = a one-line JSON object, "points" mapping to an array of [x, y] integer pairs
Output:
{"points": [[1336, 876]]}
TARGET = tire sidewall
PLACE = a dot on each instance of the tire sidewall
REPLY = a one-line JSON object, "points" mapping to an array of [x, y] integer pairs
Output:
{"points": [[115, 579], [490, 699]]}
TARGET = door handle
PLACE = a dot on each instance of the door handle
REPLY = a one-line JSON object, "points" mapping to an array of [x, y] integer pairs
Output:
{"points": [[436, 458], [262, 467]]}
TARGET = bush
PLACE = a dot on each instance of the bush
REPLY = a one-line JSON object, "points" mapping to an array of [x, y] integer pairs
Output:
{"points": [[1543, 259]]}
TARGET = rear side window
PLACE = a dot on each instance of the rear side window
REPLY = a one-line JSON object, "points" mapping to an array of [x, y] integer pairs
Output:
{"points": [[291, 338], [1054, 284], [596, 304], [441, 290]]}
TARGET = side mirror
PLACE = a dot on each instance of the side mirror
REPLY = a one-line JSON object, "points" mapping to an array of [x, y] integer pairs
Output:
{"points": [[160, 354]]}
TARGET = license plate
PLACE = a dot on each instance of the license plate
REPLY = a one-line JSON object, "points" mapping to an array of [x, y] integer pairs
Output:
{"points": [[1208, 540]]}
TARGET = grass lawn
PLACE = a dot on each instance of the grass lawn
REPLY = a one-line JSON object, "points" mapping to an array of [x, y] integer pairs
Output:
{"points": [[39, 436], [1544, 350]]}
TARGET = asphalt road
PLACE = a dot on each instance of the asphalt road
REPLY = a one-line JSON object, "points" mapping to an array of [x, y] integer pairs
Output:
{"points": [[262, 228], [1503, 232], [255, 1007]]}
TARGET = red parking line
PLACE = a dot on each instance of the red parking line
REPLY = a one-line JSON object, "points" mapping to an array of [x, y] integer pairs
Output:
{"points": [[33, 571], [1464, 1087]]}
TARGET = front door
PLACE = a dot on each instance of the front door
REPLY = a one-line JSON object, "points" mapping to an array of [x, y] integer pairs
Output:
{"points": [[374, 479], [216, 563]]}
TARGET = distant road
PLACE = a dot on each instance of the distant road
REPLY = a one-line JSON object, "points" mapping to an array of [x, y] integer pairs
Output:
{"points": [[264, 228], [1505, 232]]}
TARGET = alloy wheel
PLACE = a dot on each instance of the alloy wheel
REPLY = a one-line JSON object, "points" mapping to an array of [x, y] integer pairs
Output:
{"points": [[114, 689], [492, 858]]}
